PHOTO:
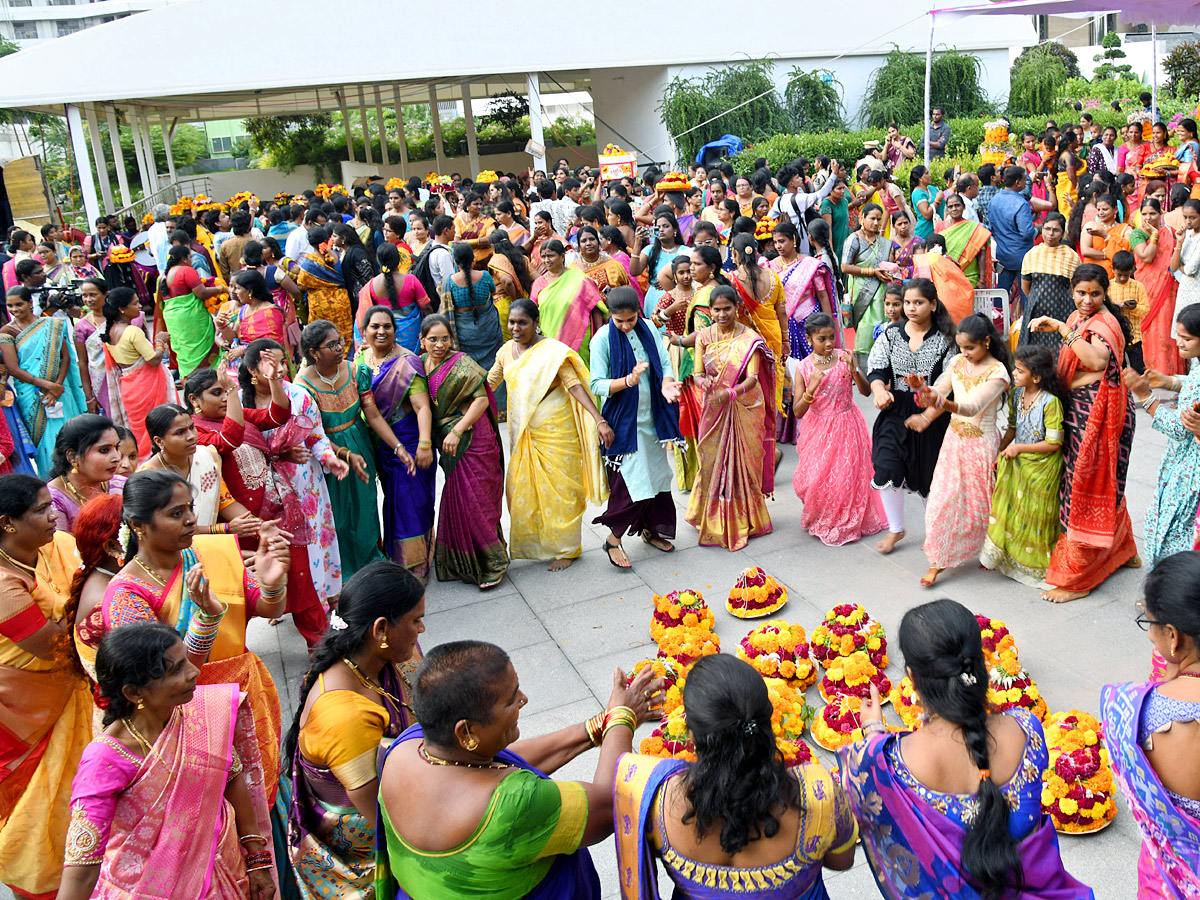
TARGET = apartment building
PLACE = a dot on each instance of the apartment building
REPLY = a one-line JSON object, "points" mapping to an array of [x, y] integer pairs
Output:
{"points": [[26, 22]]}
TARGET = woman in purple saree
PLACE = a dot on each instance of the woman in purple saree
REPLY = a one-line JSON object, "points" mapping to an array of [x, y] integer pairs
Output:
{"points": [[470, 541], [954, 809], [1152, 733]]}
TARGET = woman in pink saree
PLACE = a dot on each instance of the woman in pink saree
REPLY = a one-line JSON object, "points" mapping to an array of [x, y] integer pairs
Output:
{"points": [[736, 440], [145, 821]]}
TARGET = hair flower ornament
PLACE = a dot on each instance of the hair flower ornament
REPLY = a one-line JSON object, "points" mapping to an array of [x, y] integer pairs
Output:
{"points": [[967, 678], [337, 623], [123, 535]]}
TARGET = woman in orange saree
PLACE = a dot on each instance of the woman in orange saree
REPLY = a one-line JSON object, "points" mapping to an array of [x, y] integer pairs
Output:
{"points": [[543, 233], [1097, 535], [472, 227], [252, 313], [146, 820], [1152, 245], [967, 243], [45, 706], [737, 430]]}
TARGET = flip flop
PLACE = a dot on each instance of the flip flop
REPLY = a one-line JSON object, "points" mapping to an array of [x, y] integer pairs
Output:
{"points": [[609, 548], [648, 539]]}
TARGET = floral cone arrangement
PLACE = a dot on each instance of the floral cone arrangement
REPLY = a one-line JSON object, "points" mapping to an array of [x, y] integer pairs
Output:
{"points": [[673, 181], [854, 675], [393, 184], [839, 723], [666, 668], [997, 640], [1009, 685], [1077, 789], [778, 649], [847, 629], [671, 739], [487, 176], [790, 715], [907, 704], [756, 594], [685, 607], [686, 644]]}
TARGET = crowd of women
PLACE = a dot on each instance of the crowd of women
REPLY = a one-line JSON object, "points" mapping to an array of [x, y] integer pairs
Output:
{"points": [[612, 338]]}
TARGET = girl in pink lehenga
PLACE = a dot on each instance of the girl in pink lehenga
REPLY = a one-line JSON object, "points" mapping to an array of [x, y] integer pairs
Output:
{"points": [[960, 497], [833, 477]]}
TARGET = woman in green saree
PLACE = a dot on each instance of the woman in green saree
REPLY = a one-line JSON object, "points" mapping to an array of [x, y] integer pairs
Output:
{"points": [[862, 257], [571, 307], [182, 293]]}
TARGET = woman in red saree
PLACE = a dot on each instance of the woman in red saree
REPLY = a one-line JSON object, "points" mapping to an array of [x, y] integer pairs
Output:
{"points": [[1097, 535], [251, 313], [1152, 245], [145, 818], [737, 429], [137, 379]]}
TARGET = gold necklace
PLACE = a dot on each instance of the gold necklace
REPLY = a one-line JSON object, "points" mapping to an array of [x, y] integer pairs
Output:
{"points": [[375, 361], [147, 749], [438, 761], [368, 683], [162, 582], [76, 493], [20, 565]]}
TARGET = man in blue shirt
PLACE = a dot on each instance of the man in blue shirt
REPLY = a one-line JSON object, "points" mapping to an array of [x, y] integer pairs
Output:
{"points": [[1011, 223], [937, 134]]}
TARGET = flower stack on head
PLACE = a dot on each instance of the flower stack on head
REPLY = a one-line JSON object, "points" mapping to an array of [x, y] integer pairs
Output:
{"points": [[673, 181], [779, 649], [121, 254], [147, 220], [686, 607], [685, 644], [671, 739], [1077, 789], [995, 147], [393, 184], [324, 191], [1009, 685], [790, 715], [283, 197], [246, 197], [756, 594], [203, 202], [186, 203], [765, 229], [907, 704], [1142, 117], [487, 176], [439, 184], [839, 723], [854, 675], [848, 628]]}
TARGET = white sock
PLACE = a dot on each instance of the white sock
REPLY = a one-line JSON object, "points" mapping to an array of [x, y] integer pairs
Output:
{"points": [[893, 505]]}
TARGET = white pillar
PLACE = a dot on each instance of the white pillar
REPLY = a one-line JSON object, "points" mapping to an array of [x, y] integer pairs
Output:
{"points": [[341, 99], [383, 141], [366, 125], [928, 73], [167, 133], [1154, 64], [536, 134], [114, 138], [436, 119], [83, 162], [472, 140], [98, 155], [140, 152], [399, 110], [141, 128]]}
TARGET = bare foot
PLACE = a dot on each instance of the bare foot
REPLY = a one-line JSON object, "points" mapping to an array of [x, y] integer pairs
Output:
{"points": [[274, 622], [930, 577], [559, 564], [888, 542], [490, 584], [1135, 563], [1061, 595], [778, 458]]}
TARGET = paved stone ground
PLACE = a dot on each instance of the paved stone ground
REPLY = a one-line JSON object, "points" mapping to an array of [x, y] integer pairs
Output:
{"points": [[566, 631]]}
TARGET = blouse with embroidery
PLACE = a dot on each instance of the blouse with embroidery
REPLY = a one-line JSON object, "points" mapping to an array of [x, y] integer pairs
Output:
{"points": [[130, 599]]}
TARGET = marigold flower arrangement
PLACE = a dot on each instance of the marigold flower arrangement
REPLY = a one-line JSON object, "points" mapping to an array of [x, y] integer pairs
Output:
{"points": [[996, 639], [1006, 691], [755, 594], [907, 704], [839, 723], [148, 219], [1077, 789], [393, 184], [487, 176], [664, 667], [671, 739], [790, 715], [673, 181], [854, 675], [612, 150], [283, 197], [779, 649], [121, 255], [848, 628], [686, 607], [687, 644], [439, 184], [765, 228], [247, 197]]}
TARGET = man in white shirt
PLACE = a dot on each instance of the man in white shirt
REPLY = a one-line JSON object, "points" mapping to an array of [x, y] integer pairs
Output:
{"points": [[563, 210], [297, 244], [441, 262], [546, 191], [968, 189], [158, 238], [795, 204]]}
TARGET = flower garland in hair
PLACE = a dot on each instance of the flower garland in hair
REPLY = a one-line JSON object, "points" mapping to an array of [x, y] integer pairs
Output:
{"points": [[123, 535], [337, 623]]}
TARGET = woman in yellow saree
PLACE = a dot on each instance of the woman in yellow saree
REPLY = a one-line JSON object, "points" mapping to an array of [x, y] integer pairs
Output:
{"points": [[45, 707], [472, 227], [736, 430], [555, 466], [762, 307]]}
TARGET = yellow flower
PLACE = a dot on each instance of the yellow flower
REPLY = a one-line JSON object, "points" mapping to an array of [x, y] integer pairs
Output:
{"points": [[1089, 738], [1068, 806]]}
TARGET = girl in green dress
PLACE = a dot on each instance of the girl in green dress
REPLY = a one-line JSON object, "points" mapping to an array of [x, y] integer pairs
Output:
{"points": [[1023, 527], [342, 391]]}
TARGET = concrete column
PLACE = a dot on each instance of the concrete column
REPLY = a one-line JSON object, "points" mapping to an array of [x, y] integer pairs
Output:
{"points": [[168, 132], [114, 139], [341, 99], [436, 119], [534, 96], [143, 131], [366, 125], [383, 141], [140, 152], [83, 162], [98, 155], [399, 110], [472, 140]]}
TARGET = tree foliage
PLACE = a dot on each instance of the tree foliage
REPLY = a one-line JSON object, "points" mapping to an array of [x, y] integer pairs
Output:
{"points": [[290, 140], [1109, 69], [691, 102], [814, 100], [1182, 66], [896, 92], [1038, 76], [1065, 55], [508, 109]]}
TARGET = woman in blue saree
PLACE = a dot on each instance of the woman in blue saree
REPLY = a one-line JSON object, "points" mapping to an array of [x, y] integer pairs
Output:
{"points": [[726, 829], [39, 353], [954, 809], [1153, 730], [467, 810], [467, 301], [402, 396]]}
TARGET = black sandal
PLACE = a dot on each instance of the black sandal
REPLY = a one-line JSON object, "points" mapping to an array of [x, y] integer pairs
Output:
{"points": [[650, 539], [609, 548]]}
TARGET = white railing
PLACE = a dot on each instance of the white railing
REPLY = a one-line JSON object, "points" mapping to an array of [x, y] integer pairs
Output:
{"points": [[169, 194]]}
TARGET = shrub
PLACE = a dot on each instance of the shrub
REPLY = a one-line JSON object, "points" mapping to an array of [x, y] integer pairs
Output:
{"points": [[1037, 77], [896, 92], [814, 100], [1109, 69], [1182, 66], [1066, 56], [1100, 92]]}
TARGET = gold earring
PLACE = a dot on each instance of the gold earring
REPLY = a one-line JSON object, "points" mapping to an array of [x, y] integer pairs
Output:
{"points": [[75, 468], [471, 744], [9, 528], [141, 704], [383, 645], [254, 379]]}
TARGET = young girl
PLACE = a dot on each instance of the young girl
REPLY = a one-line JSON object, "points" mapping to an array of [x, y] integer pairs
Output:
{"points": [[960, 498], [129, 451], [1024, 522], [832, 476], [893, 307], [905, 439]]}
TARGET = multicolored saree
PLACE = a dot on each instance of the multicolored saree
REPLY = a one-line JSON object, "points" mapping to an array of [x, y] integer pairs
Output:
{"points": [[321, 276], [566, 305], [470, 540], [135, 390], [188, 321], [1169, 865], [736, 443], [800, 281], [969, 244]]}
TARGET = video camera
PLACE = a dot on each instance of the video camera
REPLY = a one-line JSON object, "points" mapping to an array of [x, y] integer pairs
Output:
{"points": [[58, 296]]}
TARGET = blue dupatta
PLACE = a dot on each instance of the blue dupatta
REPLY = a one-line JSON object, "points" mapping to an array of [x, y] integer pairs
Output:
{"points": [[1170, 836], [316, 267], [621, 408]]}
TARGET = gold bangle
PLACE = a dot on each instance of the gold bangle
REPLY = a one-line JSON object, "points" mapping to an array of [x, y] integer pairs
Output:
{"points": [[595, 726]]}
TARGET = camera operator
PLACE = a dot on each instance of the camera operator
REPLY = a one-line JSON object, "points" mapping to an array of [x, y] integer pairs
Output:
{"points": [[61, 299]]}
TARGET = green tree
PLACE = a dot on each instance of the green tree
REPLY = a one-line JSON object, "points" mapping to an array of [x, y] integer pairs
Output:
{"points": [[814, 100], [1182, 66], [507, 111], [1037, 77], [896, 92], [1066, 56], [1109, 69], [292, 141]]}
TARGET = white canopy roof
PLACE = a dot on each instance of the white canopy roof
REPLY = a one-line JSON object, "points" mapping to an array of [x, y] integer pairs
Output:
{"points": [[271, 57]]}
